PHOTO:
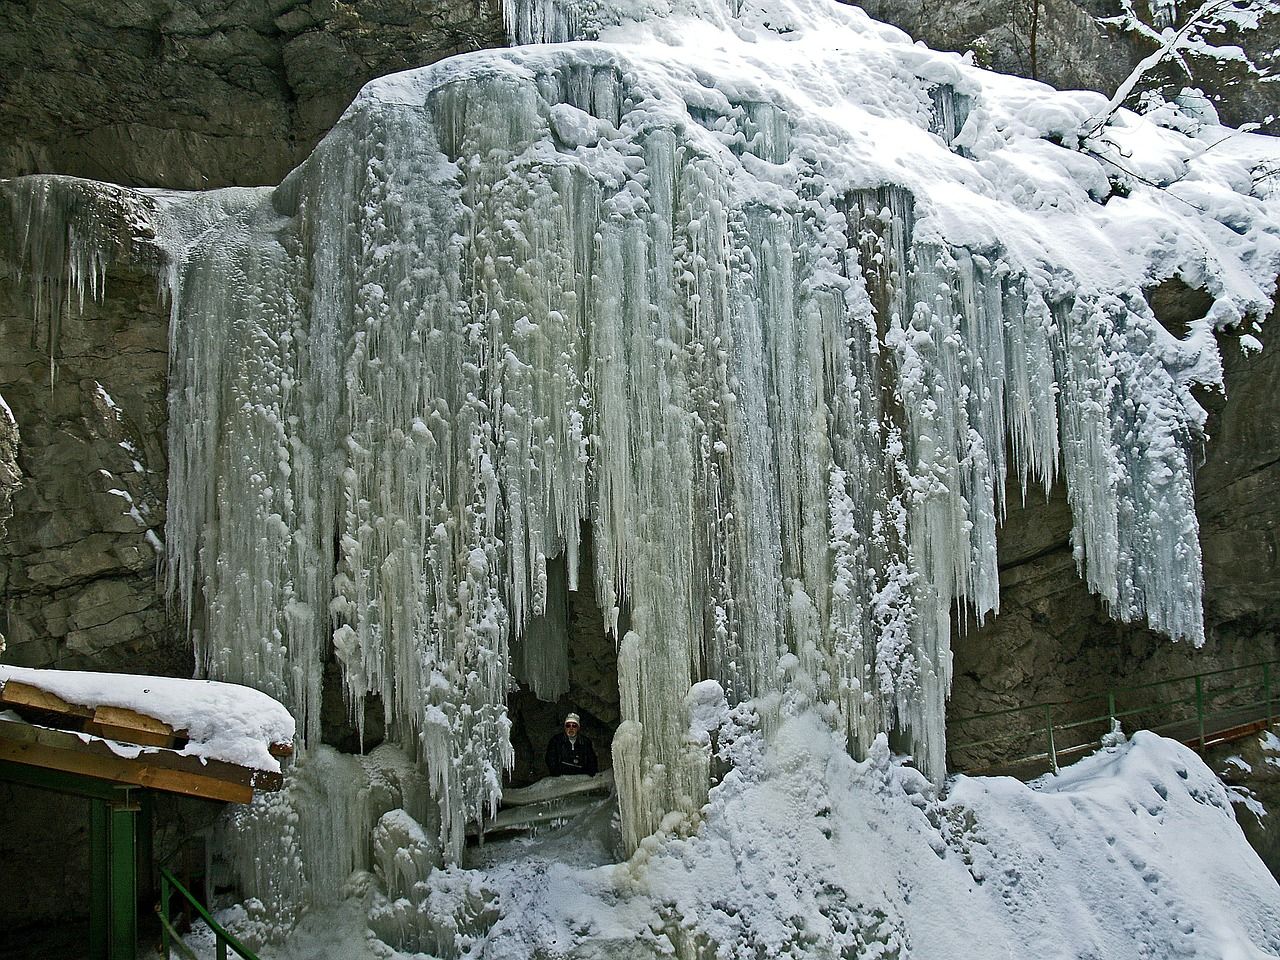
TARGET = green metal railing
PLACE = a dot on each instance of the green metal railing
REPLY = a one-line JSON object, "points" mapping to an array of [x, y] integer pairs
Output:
{"points": [[169, 937], [1191, 708]]}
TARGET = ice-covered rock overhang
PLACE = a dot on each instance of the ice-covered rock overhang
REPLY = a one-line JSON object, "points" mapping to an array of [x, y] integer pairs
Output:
{"points": [[770, 301]]}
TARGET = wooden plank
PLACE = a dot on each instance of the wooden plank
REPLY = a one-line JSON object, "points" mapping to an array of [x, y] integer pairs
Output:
{"points": [[14, 693], [152, 759], [1229, 734], [122, 770], [130, 726]]}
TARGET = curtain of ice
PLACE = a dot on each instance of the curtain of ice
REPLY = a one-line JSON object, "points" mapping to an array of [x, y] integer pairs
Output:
{"points": [[531, 297]]}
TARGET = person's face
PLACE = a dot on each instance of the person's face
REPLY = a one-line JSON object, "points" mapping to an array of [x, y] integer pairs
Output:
{"points": [[570, 729]]}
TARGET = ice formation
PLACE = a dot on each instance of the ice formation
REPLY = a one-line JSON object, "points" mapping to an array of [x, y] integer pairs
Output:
{"points": [[770, 298]]}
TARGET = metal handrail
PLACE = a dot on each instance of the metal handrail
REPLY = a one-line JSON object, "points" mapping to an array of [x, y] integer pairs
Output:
{"points": [[169, 936], [1050, 729]]}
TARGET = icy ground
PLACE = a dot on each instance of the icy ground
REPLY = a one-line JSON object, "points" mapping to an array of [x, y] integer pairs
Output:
{"points": [[804, 852]]}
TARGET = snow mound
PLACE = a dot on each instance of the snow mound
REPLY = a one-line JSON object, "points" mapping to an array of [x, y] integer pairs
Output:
{"points": [[1133, 852]]}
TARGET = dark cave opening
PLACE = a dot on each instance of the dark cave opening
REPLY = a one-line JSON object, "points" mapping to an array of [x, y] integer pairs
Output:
{"points": [[590, 685]]}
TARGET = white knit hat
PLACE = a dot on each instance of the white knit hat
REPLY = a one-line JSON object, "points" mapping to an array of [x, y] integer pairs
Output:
{"points": [[573, 718]]}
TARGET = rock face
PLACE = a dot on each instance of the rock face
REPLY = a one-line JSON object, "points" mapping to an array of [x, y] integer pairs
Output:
{"points": [[192, 95], [1251, 770], [1071, 49], [80, 560]]}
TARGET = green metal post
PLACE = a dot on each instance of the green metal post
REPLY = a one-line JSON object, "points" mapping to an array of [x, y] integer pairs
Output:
{"points": [[222, 948], [164, 916], [1200, 708], [1111, 707], [146, 836], [100, 877], [124, 881], [1266, 689], [1048, 729]]}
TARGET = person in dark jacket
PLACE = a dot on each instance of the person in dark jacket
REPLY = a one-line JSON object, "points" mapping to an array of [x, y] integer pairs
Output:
{"points": [[571, 752]]}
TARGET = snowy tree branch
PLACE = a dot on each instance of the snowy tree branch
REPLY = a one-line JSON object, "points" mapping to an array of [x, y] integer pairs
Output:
{"points": [[1194, 38]]}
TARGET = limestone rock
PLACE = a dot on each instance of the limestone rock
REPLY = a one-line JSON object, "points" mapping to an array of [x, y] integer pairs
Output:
{"points": [[1062, 43], [186, 94], [80, 561]]}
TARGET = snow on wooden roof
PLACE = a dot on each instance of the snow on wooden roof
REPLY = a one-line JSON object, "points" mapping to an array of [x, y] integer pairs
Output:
{"points": [[199, 737]]}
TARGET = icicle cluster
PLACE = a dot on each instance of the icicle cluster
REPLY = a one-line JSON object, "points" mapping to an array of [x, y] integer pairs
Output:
{"points": [[539, 289], [62, 234], [297, 848]]}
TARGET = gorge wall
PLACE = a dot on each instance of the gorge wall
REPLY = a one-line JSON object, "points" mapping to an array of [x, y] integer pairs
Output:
{"points": [[194, 95], [189, 95]]}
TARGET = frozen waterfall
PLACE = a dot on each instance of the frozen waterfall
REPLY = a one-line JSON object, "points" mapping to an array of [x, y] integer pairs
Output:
{"points": [[772, 300]]}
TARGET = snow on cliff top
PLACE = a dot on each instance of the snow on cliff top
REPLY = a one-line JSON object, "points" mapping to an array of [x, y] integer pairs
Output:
{"points": [[224, 721], [1143, 203]]}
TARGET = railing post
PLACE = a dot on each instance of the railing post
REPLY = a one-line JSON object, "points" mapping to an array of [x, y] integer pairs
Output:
{"points": [[1200, 708], [164, 916], [123, 940], [222, 947], [1048, 729], [1111, 708], [1266, 689], [100, 871]]}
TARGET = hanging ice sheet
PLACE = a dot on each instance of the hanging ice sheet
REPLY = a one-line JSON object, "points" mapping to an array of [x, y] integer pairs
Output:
{"points": [[766, 298]]}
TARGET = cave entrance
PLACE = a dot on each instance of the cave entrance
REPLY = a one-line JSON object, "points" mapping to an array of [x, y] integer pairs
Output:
{"points": [[565, 662]]}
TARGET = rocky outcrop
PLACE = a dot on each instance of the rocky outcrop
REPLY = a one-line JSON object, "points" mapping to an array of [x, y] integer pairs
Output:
{"points": [[1071, 49], [1063, 43], [1250, 768], [80, 561], [192, 95], [1054, 641]]}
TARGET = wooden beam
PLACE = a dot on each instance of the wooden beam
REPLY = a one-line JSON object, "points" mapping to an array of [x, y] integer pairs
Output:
{"points": [[14, 693], [115, 723], [157, 768], [130, 726], [124, 771]]}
